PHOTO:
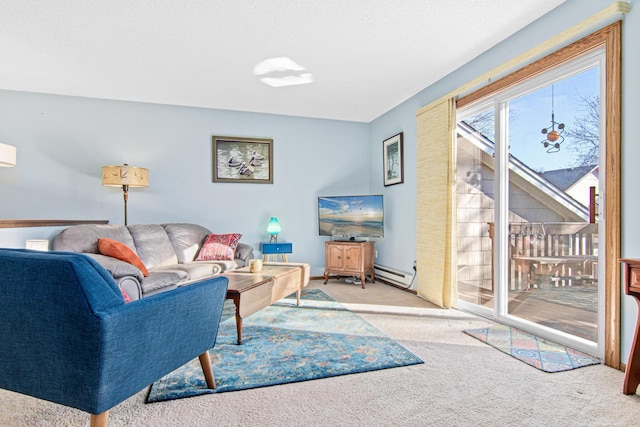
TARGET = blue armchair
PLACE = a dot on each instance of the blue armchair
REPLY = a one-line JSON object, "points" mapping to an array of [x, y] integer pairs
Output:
{"points": [[68, 337]]}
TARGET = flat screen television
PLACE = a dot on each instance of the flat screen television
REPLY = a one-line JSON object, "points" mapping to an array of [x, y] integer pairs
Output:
{"points": [[351, 217]]}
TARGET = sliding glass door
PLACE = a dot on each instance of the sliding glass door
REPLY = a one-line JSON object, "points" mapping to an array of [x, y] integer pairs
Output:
{"points": [[475, 188], [528, 188]]}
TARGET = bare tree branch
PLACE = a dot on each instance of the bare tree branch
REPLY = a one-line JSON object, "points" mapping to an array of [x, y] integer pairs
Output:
{"points": [[585, 132]]}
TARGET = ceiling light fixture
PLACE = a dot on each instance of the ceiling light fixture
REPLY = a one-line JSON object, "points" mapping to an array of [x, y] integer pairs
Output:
{"points": [[282, 71]]}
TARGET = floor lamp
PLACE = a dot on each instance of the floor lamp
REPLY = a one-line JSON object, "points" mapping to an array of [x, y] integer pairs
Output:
{"points": [[7, 155], [125, 176]]}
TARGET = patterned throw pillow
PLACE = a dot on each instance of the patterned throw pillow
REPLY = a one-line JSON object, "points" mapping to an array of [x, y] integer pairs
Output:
{"points": [[125, 295], [115, 249], [219, 247]]}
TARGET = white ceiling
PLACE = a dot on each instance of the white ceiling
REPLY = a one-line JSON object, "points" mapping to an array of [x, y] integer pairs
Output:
{"points": [[366, 56]]}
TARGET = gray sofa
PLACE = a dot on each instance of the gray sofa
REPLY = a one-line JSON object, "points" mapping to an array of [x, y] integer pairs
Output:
{"points": [[168, 251]]}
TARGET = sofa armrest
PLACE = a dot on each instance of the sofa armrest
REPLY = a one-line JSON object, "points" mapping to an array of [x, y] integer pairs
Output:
{"points": [[131, 286], [244, 253], [116, 267]]}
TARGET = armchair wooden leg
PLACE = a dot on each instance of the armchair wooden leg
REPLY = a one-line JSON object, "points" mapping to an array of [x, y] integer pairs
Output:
{"points": [[100, 420], [205, 362]]}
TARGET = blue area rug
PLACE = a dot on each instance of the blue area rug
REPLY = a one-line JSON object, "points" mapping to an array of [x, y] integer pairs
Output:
{"points": [[532, 350], [285, 343]]}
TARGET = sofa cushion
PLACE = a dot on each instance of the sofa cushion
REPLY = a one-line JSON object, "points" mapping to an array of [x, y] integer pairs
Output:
{"points": [[181, 273], [200, 269], [84, 237], [225, 265], [118, 250], [186, 239], [159, 279], [219, 247], [153, 245]]}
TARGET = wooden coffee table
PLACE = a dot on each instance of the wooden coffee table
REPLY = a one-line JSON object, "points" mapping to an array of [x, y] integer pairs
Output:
{"points": [[251, 292]]}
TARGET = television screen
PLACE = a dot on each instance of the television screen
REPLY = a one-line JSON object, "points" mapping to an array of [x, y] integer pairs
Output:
{"points": [[351, 216]]}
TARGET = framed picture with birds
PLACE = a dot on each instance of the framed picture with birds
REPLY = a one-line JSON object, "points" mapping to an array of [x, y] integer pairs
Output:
{"points": [[238, 159]]}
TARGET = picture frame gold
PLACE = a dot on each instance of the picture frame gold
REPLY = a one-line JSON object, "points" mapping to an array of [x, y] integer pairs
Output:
{"points": [[242, 160], [393, 160]]}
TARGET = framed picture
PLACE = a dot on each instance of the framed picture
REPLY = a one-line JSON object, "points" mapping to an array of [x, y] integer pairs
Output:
{"points": [[393, 158], [242, 160]]}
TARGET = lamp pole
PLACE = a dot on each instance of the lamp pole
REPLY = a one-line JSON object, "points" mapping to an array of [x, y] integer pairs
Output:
{"points": [[125, 190]]}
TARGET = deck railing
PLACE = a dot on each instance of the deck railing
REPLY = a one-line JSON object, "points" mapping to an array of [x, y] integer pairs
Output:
{"points": [[544, 254]]}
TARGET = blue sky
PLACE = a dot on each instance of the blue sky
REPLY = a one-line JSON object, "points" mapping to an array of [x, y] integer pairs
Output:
{"points": [[531, 113]]}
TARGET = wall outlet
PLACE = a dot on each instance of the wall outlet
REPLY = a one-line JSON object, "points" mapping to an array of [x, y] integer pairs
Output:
{"points": [[415, 265], [375, 253]]}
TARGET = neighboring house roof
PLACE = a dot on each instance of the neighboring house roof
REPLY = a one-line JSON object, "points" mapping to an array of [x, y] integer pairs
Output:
{"points": [[565, 178], [535, 179]]}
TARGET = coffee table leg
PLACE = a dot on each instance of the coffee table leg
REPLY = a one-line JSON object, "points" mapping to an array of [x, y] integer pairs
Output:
{"points": [[236, 302], [239, 328], [298, 294]]}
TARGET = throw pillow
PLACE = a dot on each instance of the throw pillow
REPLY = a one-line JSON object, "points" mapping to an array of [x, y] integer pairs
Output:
{"points": [[126, 296], [115, 249], [219, 247]]}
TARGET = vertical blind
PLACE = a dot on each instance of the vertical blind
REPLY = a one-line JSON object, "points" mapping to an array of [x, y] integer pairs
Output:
{"points": [[436, 204]]}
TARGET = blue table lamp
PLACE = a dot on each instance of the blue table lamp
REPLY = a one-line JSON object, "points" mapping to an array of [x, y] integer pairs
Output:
{"points": [[273, 229]]}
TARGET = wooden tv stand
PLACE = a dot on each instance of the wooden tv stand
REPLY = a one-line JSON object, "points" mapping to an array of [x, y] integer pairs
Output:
{"points": [[349, 258]]}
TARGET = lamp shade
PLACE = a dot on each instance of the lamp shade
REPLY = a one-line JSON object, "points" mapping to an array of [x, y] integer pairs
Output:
{"points": [[116, 176], [274, 226], [7, 155]]}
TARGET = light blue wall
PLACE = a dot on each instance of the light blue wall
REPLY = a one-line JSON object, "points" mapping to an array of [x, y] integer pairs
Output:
{"points": [[63, 141], [399, 248]]}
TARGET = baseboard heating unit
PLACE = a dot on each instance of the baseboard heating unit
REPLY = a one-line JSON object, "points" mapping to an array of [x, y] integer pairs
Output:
{"points": [[393, 276]]}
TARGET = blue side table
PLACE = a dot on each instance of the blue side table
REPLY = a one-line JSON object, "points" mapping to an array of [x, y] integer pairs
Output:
{"points": [[270, 251]]}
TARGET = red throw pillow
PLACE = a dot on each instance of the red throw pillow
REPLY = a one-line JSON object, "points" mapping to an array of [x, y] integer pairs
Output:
{"points": [[115, 249], [219, 247], [126, 296]]}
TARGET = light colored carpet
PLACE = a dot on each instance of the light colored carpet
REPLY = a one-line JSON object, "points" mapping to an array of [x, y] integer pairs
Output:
{"points": [[463, 382]]}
